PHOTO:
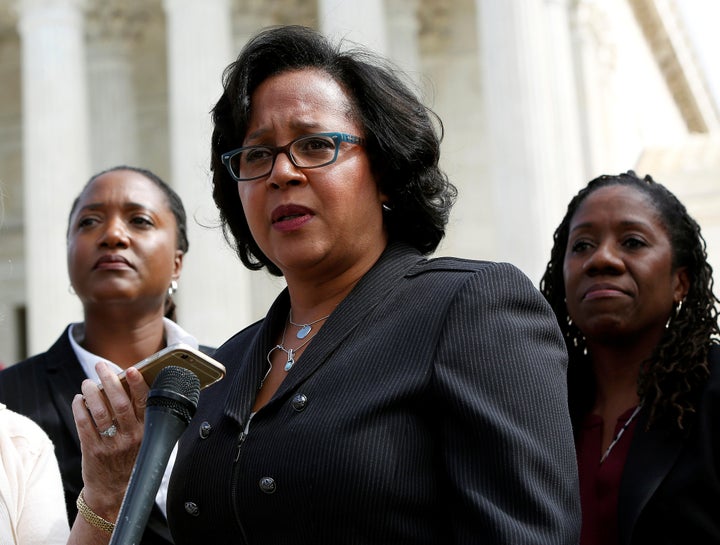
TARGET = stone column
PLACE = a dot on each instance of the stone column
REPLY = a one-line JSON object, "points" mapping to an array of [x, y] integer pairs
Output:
{"points": [[360, 22], [403, 36], [214, 296], [55, 156], [570, 170], [449, 45], [112, 30], [595, 53], [517, 88]]}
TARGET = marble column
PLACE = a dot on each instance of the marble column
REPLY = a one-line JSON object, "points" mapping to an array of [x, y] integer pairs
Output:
{"points": [[403, 36], [55, 155], [515, 67], [214, 296], [113, 108], [595, 55], [361, 22], [571, 170]]}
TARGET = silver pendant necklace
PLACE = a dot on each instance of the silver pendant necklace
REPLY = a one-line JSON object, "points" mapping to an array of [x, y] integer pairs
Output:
{"points": [[290, 352], [305, 329], [620, 432]]}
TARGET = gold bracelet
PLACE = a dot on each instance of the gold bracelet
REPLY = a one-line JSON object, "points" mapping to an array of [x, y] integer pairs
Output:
{"points": [[91, 516]]}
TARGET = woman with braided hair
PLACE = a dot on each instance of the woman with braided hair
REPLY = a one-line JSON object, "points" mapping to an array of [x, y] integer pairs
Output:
{"points": [[630, 284]]}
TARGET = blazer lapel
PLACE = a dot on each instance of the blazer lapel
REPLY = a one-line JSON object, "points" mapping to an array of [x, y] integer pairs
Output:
{"points": [[251, 364], [652, 453], [372, 289], [65, 376]]}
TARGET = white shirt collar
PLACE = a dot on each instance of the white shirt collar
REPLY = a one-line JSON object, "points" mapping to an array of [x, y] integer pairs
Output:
{"points": [[173, 333]]}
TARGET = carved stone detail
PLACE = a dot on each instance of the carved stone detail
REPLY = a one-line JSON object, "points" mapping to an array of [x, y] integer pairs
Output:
{"points": [[673, 53], [121, 20], [435, 19], [275, 12]]}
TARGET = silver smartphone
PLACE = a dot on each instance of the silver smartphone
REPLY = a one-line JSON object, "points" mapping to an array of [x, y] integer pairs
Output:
{"points": [[207, 369]]}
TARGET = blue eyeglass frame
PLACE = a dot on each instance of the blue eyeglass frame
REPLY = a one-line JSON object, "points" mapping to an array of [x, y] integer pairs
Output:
{"points": [[338, 138]]}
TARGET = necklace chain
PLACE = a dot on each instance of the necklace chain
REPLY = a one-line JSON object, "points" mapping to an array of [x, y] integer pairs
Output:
{"points": [[290, 352], [620, 432], [305, 329]]}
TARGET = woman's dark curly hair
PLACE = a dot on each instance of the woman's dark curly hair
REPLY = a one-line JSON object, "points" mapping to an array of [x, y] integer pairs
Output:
{"points": [[401, 140], [673, 377]]}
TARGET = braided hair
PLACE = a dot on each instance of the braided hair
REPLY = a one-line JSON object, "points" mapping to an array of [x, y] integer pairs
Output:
{"points": [[672, 378]]}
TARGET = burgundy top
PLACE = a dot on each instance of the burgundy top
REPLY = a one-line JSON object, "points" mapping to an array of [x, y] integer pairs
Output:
{"points": [[600, 483]]}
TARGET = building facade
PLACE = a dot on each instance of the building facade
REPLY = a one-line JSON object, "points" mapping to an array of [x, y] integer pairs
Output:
{"points": [[536, 98]]}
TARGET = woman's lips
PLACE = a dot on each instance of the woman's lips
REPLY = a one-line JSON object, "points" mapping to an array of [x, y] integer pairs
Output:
{"points": [[112, 262], [603, 291], [290, 217]]}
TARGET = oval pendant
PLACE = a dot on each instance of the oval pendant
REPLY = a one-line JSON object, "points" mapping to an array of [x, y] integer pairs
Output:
{"points": [[304, 330]]}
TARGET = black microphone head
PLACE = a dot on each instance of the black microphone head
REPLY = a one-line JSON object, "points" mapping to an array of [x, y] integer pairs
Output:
{"points": [[175, 389]]}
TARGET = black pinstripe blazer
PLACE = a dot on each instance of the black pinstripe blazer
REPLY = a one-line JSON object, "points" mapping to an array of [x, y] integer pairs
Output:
{"points": [[670, 488], [42, 388], [430, 409]]}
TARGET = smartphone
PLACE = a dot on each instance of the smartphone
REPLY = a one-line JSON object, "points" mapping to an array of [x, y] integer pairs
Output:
{"points": [[208, 370]]}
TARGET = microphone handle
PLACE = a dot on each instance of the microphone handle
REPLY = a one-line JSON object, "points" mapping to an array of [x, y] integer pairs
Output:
{"points": [[162, 430]]}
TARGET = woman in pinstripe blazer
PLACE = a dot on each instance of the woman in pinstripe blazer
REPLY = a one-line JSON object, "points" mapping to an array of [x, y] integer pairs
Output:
{"points": [[386, 397]]}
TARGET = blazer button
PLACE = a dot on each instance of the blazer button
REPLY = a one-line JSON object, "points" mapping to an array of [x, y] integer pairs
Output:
{"points": [[191, 508], [205, 428], [267, 485], [299, 402]]}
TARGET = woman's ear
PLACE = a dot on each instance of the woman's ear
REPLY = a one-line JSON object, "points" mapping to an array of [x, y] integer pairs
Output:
{"points": [[681, 284], [177, 264]]}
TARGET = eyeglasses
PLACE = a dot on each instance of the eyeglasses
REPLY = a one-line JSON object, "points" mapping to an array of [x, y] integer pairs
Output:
{"points": [[309, 151]]}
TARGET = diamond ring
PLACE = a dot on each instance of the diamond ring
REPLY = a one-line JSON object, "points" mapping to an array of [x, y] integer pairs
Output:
{"points": [[110, 432]]}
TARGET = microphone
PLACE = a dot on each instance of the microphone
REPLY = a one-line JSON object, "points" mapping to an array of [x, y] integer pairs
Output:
{"points": [[171, 403]]}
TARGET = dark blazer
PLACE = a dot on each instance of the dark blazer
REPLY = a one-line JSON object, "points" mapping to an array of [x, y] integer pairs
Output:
{"points": [[42, 388], [429, 409], [670, 488]]}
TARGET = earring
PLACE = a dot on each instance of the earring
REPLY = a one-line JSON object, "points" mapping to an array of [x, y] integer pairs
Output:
{"points": [[71, 290], [674, 314], [386, 207], [173, 288]]}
